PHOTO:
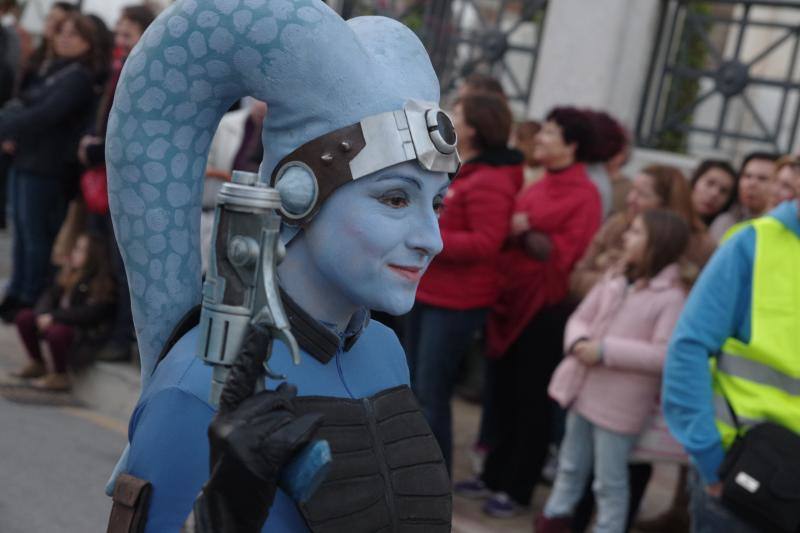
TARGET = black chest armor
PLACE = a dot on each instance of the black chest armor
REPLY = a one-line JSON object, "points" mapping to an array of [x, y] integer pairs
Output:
{"points": [[387, 474]]}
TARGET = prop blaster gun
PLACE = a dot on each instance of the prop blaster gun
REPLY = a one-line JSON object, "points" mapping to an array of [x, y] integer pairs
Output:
{"points": [[241, 290]]}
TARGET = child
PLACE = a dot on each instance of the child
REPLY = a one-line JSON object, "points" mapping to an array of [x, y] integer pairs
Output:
{"points": [[615, 344], [69, 313]]}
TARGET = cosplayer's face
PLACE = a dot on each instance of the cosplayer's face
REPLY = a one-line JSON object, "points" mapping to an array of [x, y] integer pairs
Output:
{"points": [[374, 237]]}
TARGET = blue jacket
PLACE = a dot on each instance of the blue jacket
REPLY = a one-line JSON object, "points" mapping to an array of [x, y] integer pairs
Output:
{"points": [[167, 431], [718, 308]]}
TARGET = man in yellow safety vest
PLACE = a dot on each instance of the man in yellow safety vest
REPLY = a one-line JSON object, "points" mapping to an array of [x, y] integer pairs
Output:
{"points": [[744, 315]]}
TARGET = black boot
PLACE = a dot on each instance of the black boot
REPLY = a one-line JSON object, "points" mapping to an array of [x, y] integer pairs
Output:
{"points": [[9, 308]]}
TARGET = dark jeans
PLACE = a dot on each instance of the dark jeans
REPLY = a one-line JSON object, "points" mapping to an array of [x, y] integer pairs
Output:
{"points": [[521, 408], [38, 207], [708, 513], [122, 332], [59, 338], [438, 340], [5, 166]]}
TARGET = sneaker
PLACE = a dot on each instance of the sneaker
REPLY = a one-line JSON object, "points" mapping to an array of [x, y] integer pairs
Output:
{"points": [[561, 524], [474, 489], [9, 308], [33, 369], [500, 505], [52, 383]]}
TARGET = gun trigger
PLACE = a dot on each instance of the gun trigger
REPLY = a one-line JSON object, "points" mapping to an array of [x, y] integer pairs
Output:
{"points": [[272, 375], [291, 343]]}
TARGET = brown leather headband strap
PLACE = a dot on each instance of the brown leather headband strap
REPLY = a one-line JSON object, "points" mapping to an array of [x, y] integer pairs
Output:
{"points": [[329, 158]]}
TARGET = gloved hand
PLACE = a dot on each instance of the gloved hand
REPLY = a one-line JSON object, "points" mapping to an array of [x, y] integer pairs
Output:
{"points": [[251, 438], [536, 245]]}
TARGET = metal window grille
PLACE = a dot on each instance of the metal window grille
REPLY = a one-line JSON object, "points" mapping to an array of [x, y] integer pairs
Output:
{"points": [[723, 74], [498, 37]]}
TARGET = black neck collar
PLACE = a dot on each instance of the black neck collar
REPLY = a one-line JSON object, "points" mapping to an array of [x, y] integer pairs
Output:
{"points": [[313, 337]]}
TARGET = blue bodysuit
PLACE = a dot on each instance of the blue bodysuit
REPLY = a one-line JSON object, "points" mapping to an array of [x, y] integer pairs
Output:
{"points": [[167, 432]]}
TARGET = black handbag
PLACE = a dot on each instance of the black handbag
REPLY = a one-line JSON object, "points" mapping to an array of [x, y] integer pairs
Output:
{"points": [[761, 477]]}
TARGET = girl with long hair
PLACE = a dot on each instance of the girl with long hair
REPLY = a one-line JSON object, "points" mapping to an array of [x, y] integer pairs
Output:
{"points": [[615, 344], [72, 312], [655, 186]]}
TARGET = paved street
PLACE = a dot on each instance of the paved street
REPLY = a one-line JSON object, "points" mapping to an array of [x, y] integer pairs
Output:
{"points": [[54, 463]]}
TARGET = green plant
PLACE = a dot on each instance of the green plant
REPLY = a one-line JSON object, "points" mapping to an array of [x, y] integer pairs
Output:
{"points": [[692, 54]]}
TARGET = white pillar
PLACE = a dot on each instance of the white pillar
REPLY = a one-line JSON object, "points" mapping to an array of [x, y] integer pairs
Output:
{"points": [[595, 54]]}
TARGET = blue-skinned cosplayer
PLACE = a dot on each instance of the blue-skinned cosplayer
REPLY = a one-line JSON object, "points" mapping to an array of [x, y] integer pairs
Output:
{"points": [[360, 153]]}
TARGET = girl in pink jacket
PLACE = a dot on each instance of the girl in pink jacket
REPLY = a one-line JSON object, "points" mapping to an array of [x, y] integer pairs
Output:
{"points": [[615, 344]]}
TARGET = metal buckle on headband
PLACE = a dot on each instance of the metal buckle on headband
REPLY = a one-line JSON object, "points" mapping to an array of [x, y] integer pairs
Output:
{"points": [[419, 131]]}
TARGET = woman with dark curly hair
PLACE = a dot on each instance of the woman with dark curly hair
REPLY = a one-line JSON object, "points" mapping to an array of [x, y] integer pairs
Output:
{"points": [[553, 221], [608, 153]]}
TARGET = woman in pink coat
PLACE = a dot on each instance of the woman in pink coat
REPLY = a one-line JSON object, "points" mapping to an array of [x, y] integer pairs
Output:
{"points": [[615, 344]]}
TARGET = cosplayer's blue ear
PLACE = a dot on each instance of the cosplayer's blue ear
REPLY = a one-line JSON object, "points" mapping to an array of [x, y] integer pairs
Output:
{"points": [[299, 190]]}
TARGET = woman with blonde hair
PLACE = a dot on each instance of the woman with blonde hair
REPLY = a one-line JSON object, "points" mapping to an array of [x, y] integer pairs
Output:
{"points": [[656, 186]]}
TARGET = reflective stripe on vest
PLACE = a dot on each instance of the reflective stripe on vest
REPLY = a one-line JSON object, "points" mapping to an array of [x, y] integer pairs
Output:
{"points": [[758, 372], [761, 379]]}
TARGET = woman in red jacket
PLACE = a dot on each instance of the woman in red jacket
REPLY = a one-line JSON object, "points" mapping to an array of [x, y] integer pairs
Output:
{"points": [[462, 282], [551, 226]]}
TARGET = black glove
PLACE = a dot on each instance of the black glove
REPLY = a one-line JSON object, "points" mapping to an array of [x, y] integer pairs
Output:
{"points": [[251, 438], [536, 245]]}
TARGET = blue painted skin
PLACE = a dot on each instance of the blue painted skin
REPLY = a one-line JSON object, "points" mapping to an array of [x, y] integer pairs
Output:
{"points": [[317, 74], [343, 260]]}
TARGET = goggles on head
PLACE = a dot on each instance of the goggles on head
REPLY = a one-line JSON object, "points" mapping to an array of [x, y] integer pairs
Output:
{"points": [[307, 176]]}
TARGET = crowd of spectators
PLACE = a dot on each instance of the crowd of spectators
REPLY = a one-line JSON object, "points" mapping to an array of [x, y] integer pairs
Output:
{"points": [[552, 256], [570, 274], [67, 285]]}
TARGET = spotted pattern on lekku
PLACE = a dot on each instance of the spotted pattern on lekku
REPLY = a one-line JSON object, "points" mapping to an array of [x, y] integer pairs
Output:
{"points": [[316, 72]]}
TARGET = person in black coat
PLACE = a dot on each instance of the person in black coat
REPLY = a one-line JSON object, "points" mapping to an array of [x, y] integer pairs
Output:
{"points": [[44, 124]]}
